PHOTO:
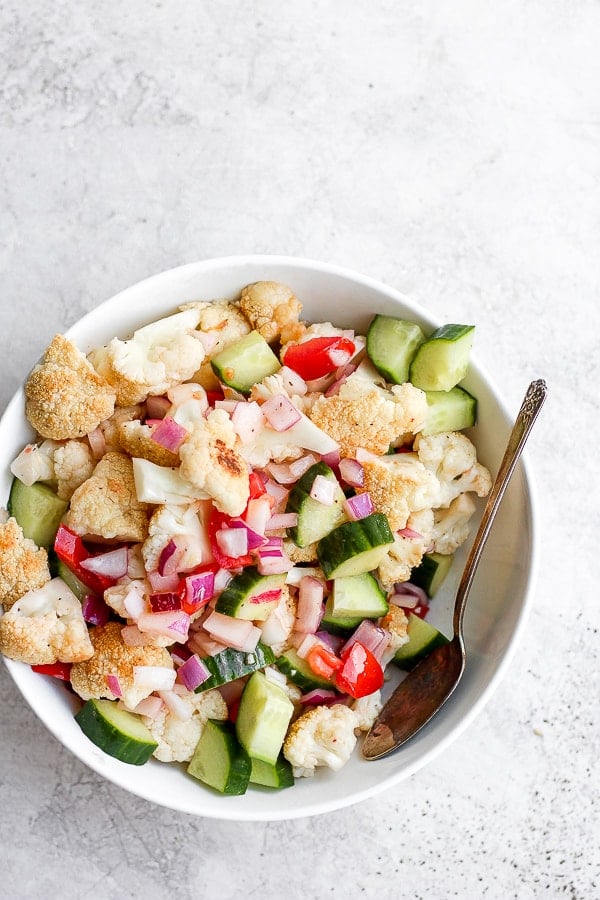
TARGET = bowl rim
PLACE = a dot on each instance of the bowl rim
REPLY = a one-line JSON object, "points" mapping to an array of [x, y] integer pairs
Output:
{"points": [[531, 573]]}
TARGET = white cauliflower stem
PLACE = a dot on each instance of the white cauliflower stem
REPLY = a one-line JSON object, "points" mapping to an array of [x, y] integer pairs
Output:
{"points": [[453, 459], [177, 737], [323, 736]]}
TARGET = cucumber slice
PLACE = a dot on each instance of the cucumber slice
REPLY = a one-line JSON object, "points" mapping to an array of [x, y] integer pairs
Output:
{"points": [[219, 760], [358, 596], [37, 509], [263, 717], [342, 625], [243, 363], [71, 580], [119, 733], [450, 410], [431, 572], [250, 595], [443, 359], [355, 547], [279, 775], [230, 664], [422, 639], [299, 671], [315, 519], [391, 346]]}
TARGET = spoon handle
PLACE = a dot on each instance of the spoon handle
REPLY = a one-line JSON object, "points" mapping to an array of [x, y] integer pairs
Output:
{"points": [[532, 403]]}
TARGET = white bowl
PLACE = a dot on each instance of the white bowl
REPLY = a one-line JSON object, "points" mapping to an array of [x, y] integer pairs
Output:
{"points": [[500, 596]]}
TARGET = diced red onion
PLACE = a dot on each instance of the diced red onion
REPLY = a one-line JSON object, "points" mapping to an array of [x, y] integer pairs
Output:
{"points": [[157, 407], [305, 643], [114, 685], [199, 589], [272, 596], [359, 506], [176, 705], [299, 466], [166, 602], [277, 491], [319, 697], [193, 672], [94, 610], [97, 442], [258, 513], [232, 541], [410, 533], [334, 642], [331, 459], [292, 382], [169, 558], [282, 473], [112, 564], [272, 559], [222, 579], [203, 644], [156, 678], [253, 538], [277, 626], [323, 490], [320, 385], [309, 611], [179, 654], [160, 583], [282, 520], [134, 603], [371, 636], [169, 434], [280, 412], [405, 591], [173, 624], [248, 420], [352, 472], [149, 706], [240, 634]]}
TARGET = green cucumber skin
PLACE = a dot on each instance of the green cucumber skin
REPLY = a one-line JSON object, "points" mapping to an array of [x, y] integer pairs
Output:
{"points": [[236, 599], [351, 541], [423, 638], [314, 519], [451, 410], [357, 595], [278, 776], [245, 362], [391, 346], [299, 672], [431, 572], [263, 718], [230, 664], [37, 509], [219, 760], [107, 726], [443, 359]]}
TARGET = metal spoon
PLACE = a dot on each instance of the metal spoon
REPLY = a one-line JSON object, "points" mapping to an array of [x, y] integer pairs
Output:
{"points": [[427, 687]]}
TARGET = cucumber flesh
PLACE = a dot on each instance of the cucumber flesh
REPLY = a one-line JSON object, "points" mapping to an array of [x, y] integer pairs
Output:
{"points": [[279, 775], [422, 639], [443, 359], [315, 519], [391, 346], [230, 664], [119, 733], [71, 580], [355, 547], [358, 595], [219, 760], [431, 572], [263, 717], [250, 595], [299, 671], [245, 362], [342, 625], [37, 509], [450, 410]]}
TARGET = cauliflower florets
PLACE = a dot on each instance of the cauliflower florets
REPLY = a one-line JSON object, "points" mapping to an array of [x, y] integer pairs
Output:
{"points": [[453, 459], [113, 657], [73, 464], [46, 625], [177, 738], [224, 323], [23, 565], [407, 551], [111, 427], [451, 524], [395, 622], [270, 306], [116, 595], [157, 357], [367, 709], [211, 462], [399, 484], [169, 522], [323, 736], [136, 440], [65, 397], [106, 505], [35, 462]]}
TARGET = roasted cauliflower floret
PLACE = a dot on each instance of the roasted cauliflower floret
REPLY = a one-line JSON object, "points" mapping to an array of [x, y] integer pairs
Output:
{"points": [[270, 306], [452, 524], [73, 464], [453, 459], [45, 626], [157, 357], [211, 462], [408, 549], [35, 462], [323, 736], [399, 484], [367, 709], [64, 396], [177, 737], [136, 440], [106, 505], [223, 323], [396, 623], [172, 522], [111, 427], [23, 565], [112, 657]]}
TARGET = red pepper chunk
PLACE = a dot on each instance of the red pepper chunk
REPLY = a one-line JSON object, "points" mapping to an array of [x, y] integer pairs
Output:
{"points": [[360, 674], [60, 670], [70, 548], [217, 521], [318, 356], [323, 661]]}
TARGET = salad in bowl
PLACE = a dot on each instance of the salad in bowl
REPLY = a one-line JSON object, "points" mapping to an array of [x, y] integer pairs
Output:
{"points": [[226, 531]]}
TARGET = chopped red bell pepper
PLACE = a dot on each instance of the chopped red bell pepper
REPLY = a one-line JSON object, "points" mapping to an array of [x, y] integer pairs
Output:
{"points": [[213, 396], [60, 670], [70, 548], [257, 486], [323, 661], [217, 521], [361, 673], [319, 356]]}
